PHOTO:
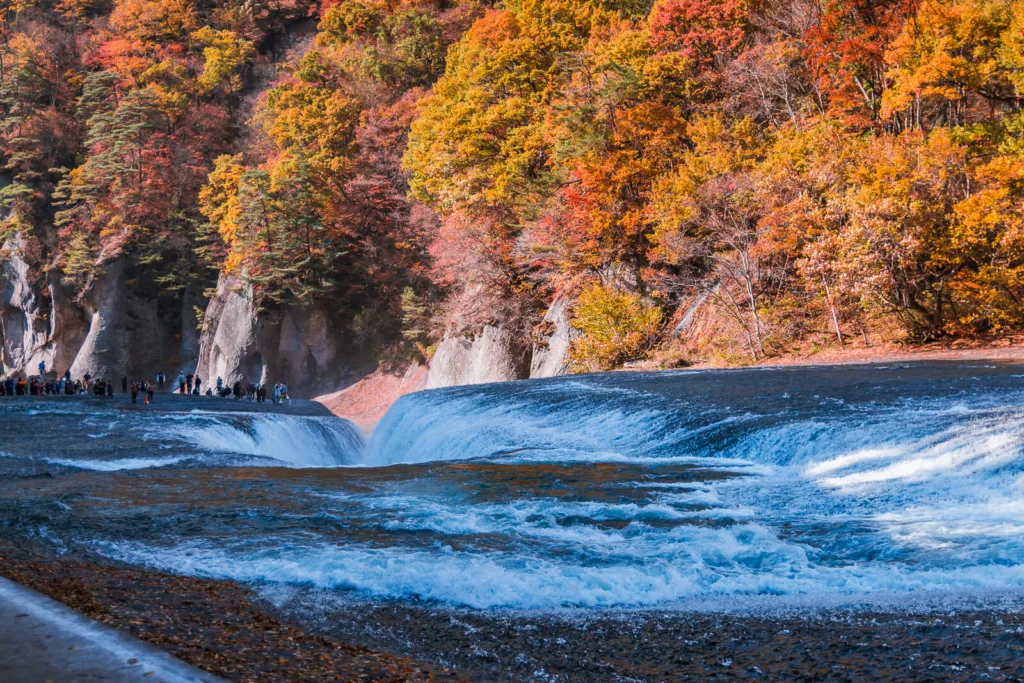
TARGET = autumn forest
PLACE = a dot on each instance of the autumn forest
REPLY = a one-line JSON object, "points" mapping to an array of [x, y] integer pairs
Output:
{"points": [[800, 169]]}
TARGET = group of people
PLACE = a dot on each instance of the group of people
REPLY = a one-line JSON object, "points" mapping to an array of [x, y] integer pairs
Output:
{"points": [[64, 386], [145, 388], [187, 384], [191, 384], [254, 392]]}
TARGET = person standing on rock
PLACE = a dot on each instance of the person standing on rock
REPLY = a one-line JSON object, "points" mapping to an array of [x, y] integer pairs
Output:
{"points": [[135, 392], [124, 384], [181, 382], [160, 379], [220, 386], [42, 368], [199, 383], [188, 382], [149, 392]]}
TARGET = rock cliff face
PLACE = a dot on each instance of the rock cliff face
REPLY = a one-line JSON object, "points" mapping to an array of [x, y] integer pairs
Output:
{"points": [[38, 319], [104, 353], [108, 333], [229, 343], [295, 345], [551, 347], [24, 331], [128, 335], [495, 355], [111, 331]]}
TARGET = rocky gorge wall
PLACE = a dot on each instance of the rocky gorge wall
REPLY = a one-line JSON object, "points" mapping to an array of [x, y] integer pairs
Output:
{"points": [[303, 348], [38, 322], [107, 333], [110, 331], [296, 345]]}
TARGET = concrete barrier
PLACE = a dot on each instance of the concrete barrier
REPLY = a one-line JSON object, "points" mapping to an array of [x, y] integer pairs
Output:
{"points": [[42, 640]]}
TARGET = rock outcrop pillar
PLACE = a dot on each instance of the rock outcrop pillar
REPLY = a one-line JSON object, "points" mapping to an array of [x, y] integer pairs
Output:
{"points": [[494, 355]]}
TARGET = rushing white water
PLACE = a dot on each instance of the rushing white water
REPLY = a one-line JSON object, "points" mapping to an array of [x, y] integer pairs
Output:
{"points": [[642, 491], [294, 440], [118, 464]]}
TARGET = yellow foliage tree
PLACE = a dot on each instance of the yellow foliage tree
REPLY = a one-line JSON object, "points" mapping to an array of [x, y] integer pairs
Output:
{"points": [[615, 327]]}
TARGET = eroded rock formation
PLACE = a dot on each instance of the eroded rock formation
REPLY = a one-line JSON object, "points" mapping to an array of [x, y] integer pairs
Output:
{"points": [[23, 335], [241, 343], [110, 331], [551, 344], [39, 322], [106, 333], [494, 355]]}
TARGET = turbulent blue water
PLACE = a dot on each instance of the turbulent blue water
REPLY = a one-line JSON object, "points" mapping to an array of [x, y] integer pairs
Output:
{"points": [[846, 484]]}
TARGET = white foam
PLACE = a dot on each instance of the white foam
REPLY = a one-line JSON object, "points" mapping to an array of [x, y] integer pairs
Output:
{"points": [[119, 464], [293, 440], [732, 563]]}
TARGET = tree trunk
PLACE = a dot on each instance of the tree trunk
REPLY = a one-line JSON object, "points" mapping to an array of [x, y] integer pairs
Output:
{"points": [[832, 310]]}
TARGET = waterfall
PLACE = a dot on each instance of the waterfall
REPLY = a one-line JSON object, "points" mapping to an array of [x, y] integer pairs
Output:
{"points": [[840, 484], [298, 441]]}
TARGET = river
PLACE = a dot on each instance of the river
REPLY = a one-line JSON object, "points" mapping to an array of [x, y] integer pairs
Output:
{"points": [[644, 496]]}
